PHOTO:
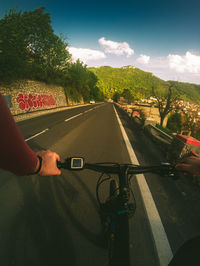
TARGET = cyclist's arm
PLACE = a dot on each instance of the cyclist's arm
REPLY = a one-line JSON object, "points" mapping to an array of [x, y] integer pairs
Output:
{"points": [[15, 155]]}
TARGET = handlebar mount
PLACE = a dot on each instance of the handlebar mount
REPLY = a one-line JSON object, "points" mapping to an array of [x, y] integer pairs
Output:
{"points": [[72, 163]]}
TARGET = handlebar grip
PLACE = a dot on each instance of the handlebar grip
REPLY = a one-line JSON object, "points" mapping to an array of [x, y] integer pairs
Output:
{"points": [[59, 164]]}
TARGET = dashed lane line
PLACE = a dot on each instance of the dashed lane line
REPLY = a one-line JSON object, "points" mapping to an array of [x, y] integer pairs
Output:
{"points": [[66, 120], [43, 131], [72, 117], [162, 246]]}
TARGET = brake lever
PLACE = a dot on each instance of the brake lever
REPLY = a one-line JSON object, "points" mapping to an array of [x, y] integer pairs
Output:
{"points": [[169, 170], [175, 174]]}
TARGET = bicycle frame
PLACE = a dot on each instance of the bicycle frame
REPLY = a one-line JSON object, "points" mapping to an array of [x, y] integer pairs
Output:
{"points": [[121, 219], [120, 212]]}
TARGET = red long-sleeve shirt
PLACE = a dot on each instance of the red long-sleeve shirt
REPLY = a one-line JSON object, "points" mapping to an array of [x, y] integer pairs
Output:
{"points": [[15, 155]]}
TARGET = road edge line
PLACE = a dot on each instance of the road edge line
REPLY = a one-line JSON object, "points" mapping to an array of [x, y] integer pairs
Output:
{"points": [[162, 246]]}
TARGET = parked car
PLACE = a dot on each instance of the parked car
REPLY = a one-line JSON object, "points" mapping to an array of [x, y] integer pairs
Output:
{"points": [[92, 101]]}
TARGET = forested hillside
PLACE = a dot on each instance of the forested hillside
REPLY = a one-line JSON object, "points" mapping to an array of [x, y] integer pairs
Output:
{"points": [[139, 82]]}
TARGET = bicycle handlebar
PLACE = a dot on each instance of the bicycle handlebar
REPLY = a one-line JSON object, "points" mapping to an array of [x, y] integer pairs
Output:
{"points": [[116, 168]]}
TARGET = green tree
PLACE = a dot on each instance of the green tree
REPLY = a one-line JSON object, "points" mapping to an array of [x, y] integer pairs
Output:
{"points": [[174, 122], [29, 47], [128, 96], [116, 96], [14, 54], [80, 82], [189, 122], [96, 94]]}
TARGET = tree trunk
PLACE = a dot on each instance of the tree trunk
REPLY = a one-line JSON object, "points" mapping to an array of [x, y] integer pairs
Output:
{"points": [[162, 117]]}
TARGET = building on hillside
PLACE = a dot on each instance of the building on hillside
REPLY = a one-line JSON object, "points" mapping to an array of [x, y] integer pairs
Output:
{"points": [[129, 67]]}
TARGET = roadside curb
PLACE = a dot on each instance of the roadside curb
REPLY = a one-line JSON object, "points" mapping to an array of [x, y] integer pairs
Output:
{"points": [[26, 116]]}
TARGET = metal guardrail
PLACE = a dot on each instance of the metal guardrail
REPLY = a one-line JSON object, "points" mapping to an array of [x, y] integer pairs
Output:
{"points": [[161, 138], [160, 133], [172, 147]]}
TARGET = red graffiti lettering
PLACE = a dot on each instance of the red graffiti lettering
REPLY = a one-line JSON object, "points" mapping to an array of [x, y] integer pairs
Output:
{"points": [[28, 101]]}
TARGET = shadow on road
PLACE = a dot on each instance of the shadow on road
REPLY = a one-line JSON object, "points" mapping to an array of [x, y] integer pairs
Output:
{"points": [[41, 234], [38, 235], [71, 194]]}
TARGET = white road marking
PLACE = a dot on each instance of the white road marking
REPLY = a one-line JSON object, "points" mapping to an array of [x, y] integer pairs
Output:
{"points": [[72, 117], [81, 113], [162, 246], [65, 121], [37, 134]]}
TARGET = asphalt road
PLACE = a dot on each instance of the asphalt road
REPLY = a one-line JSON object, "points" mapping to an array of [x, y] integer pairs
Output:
{"points": [[53, 221]]}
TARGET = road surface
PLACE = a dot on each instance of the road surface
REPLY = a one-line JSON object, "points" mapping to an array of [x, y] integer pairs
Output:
{"points": [[48, 221]]}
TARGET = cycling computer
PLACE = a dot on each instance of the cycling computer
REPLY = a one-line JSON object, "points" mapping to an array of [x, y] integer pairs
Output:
{"points": [[76, 163]]}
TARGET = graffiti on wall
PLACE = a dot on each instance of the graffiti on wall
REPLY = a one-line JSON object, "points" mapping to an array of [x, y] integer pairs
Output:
{"points": [[28, 101]]}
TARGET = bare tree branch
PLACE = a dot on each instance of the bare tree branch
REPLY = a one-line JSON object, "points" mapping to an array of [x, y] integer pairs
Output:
{"points": [[165, 98]]}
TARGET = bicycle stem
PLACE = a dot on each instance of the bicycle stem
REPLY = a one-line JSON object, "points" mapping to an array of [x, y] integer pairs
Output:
{"points": [[123, 183]]}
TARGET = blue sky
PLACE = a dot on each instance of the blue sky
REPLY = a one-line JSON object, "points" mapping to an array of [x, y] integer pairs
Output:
{"points": [[157, 36]]}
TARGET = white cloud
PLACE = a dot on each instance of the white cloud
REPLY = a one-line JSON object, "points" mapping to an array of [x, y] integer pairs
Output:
{"points": [[117, 48], [188, 63], [86, 54], [143, 59]]}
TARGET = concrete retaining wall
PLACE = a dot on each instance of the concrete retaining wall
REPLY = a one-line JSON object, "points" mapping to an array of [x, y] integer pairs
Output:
{"points": [[25, 97]]}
